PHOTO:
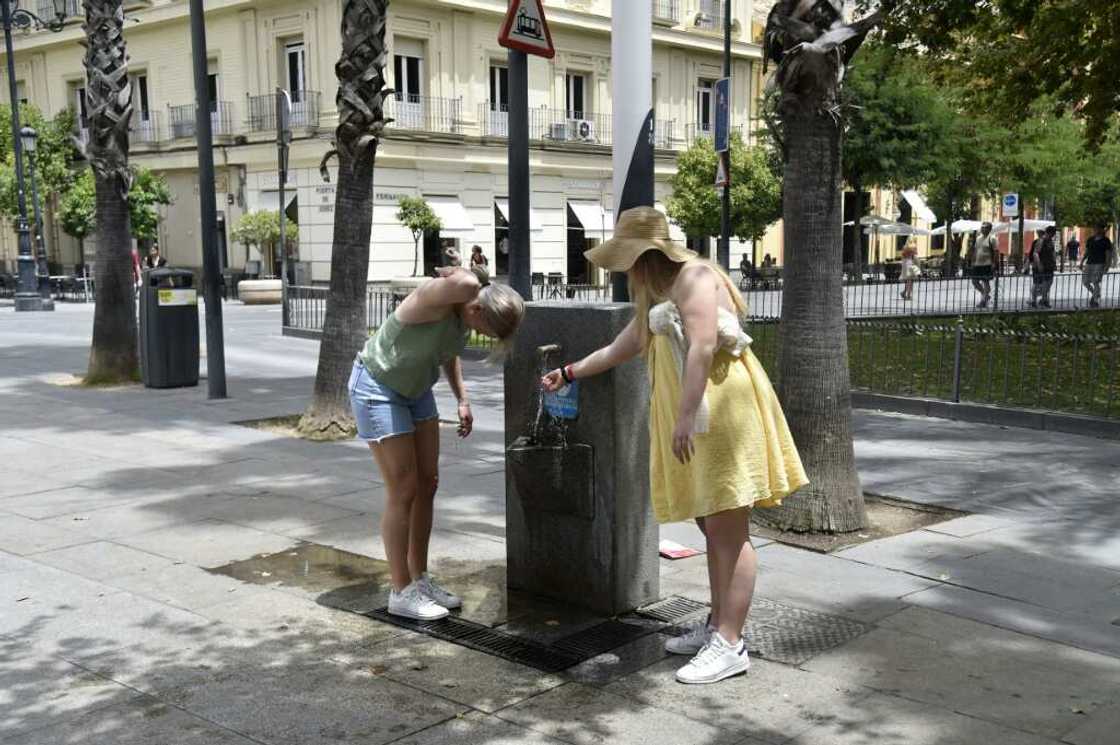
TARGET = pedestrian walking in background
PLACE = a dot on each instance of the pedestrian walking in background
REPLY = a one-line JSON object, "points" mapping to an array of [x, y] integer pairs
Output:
{"points": [[1099, 256], [1043, 262], [981, 259], [1073, 247], [910, 270], [391, 397], [719, 443]]}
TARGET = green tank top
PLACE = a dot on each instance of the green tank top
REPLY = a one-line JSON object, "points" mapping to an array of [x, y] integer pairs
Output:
{"points": [[407, 357]]}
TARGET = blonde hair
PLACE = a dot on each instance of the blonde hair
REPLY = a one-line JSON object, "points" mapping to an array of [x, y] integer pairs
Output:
{"points": [[502, 311], [651, 279]]}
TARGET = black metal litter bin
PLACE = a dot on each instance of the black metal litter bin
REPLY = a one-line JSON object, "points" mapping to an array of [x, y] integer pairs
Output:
{"points": [[169, 329]]}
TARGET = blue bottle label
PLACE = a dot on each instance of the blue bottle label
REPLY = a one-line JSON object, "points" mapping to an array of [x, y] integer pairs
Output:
{"points": [[564, 403]]}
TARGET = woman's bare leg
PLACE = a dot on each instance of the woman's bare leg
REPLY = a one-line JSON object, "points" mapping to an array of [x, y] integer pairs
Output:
{"points": [[427, 481], [737, 568], [396, 458], [713, 584]]}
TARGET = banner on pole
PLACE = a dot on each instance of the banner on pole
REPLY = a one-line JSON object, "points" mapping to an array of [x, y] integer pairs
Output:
{"points": [[1010, 205], [722, 179], [525, 29], [723, 115]]}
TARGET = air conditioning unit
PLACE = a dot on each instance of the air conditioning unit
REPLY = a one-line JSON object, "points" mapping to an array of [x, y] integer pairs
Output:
{"points": [[558, 131], [585, 130]]}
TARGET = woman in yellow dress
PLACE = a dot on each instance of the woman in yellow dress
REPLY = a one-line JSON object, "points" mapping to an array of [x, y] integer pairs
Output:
{"points": [[719, 443]]}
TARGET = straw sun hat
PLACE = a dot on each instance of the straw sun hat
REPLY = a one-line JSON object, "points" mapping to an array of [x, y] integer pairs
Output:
{"points": [[638, 230]]}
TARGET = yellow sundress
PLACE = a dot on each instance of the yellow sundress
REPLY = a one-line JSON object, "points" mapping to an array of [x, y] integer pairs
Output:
{"points": [[747, 455]]}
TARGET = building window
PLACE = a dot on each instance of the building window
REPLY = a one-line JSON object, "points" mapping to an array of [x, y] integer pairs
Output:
{"points": [[575, 91], [499, 88], [408, 67], [80, 106], [295, 69], [705, 104], [21, 92], [140, 97]]}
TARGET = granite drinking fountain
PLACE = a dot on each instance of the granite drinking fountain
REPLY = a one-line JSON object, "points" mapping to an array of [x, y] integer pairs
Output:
{"points": [[579, 527]]}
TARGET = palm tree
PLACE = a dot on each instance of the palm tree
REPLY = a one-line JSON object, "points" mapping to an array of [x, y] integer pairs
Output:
{"points": [[811, 46], [112, 356], [361, 118]]}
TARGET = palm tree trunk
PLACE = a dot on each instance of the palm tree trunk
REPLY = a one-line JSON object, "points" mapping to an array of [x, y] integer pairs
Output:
{"points": [[344, 327], [813, 354], [361, 93], [113, 355]]}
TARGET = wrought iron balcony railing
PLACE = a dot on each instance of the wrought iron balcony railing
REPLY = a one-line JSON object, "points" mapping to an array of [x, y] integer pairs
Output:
{"points": [[182, 124], [711, 16], [577, 127], [147, 129], [305, 111], [667, 11], [425, 113]]}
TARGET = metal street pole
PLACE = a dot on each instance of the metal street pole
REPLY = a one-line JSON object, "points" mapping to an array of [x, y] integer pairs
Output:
{"points": [[211, 262], [40, 242], [283, 137], [27, 296], [723, 251], [632, 82], [519, 177]]}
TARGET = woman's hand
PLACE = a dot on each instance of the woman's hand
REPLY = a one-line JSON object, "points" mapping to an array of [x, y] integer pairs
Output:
{"points": [[466, 419], [683, 446], [553, 381]]}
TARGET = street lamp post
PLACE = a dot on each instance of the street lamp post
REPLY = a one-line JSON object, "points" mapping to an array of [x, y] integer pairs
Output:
{"points": [[27, 296], [30, 139]]}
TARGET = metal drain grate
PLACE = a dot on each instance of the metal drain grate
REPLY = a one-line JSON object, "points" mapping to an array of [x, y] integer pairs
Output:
{"points": [[784, 633], [550, 658], [672, 609]]}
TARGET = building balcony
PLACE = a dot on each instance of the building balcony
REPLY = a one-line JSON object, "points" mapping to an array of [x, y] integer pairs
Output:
{"points": [[425, 114], [665, 134], [45, 10], [493, 119], [305, 111], [182, 120], [694, 132], [576, 127], [147, 129], [710, 18], [666, 12]]}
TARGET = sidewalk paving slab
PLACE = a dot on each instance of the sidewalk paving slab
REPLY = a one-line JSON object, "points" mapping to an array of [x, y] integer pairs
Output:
{"points": [[208, 543], [476, 727], [23, 536], [772, 702], [103, 560], [586, 715], [144, 721]]}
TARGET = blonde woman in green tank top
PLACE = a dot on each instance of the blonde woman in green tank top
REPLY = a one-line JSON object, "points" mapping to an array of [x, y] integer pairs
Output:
{"points": [[391, 396]]}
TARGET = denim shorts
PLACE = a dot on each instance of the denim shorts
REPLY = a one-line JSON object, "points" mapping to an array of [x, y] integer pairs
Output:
{"points": [[381, 412]]}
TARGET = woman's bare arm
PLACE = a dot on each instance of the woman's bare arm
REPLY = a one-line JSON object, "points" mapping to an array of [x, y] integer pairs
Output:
{"points": [[626, 346], [697, 299], [432, 300]]}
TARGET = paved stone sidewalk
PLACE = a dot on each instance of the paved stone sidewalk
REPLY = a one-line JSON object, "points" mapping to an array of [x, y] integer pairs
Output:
{"points": [[996, 628]]}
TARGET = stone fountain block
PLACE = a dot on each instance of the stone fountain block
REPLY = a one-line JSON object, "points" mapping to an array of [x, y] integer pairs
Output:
{"points": [[579, 525]]}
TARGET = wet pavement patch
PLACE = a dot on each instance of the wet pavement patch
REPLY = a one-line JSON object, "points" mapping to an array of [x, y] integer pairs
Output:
{"points": [[536, 632], [886, 516]]}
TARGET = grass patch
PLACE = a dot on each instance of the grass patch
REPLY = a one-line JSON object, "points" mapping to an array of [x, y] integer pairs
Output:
{"points": [[1060, 362]]}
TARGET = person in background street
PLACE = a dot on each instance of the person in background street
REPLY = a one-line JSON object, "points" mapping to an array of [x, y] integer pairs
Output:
{"points": [[1099, 255], [478, 259], [136, 267], [1073, 247], [391, 397], [1044, 262], [910, 270], [451, 257], [746, 271], [719, 442], [153, 260], [982, 257], [768, 260]]}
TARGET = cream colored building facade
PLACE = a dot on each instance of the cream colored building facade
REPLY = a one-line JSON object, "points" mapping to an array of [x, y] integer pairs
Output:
{"points": [[447, 143]]}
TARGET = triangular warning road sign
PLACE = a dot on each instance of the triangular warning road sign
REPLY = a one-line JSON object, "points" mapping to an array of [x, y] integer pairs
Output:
{"points": [[526, 30]]}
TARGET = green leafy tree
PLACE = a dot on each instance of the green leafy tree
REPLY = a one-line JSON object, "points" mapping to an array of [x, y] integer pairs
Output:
{"points": [[896, 122], [1011, 53], [261, 229], [756, 192], [415, 214], [147, 192]]}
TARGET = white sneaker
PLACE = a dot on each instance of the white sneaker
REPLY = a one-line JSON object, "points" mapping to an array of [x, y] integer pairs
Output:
{"points": [[694, 638], [444, 597], [412, 603], [716, 661]]}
